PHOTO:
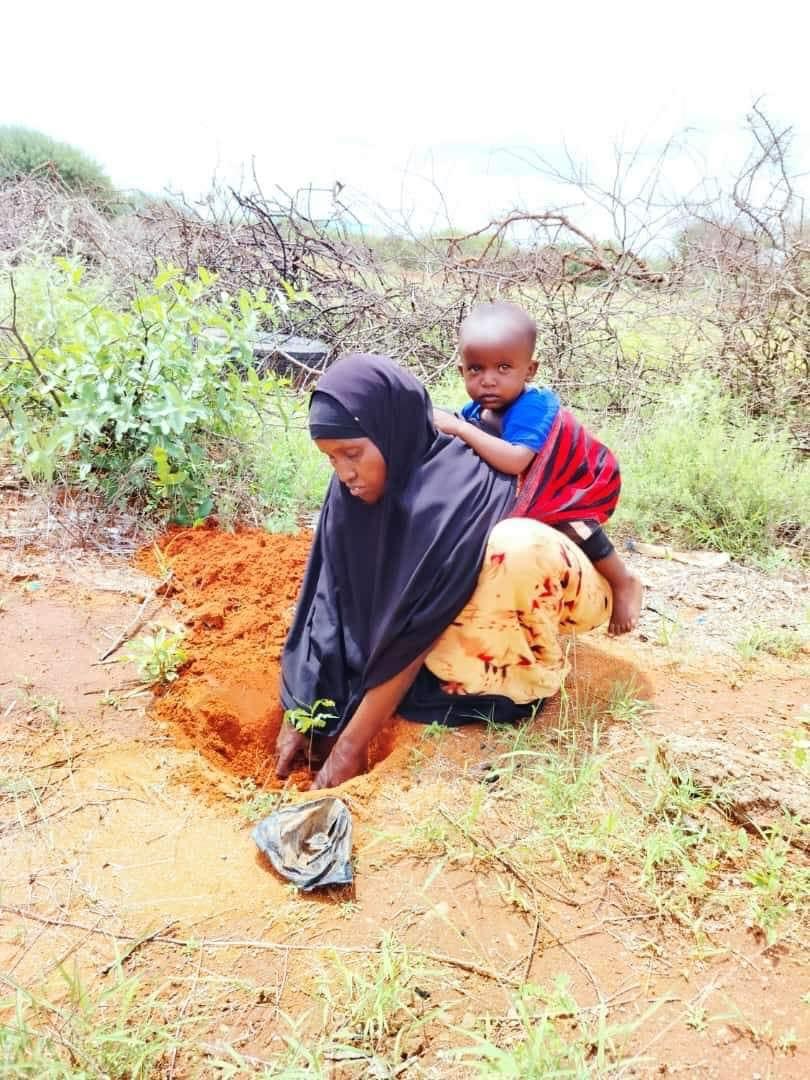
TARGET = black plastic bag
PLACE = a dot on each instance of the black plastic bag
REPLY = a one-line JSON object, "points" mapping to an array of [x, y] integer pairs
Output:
{"points": [[309, 844]]}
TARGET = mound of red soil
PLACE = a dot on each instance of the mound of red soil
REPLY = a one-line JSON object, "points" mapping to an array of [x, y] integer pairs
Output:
{"points": [[238, 591]]}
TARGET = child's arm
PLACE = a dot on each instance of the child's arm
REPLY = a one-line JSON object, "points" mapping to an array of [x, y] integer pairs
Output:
{"points": [[504, 456]]}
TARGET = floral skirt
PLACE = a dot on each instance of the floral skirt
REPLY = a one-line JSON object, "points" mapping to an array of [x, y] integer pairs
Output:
{"points": [[535, 584]]}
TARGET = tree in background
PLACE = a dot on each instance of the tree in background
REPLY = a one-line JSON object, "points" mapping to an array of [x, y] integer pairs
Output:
{"points": [[23, 152]]}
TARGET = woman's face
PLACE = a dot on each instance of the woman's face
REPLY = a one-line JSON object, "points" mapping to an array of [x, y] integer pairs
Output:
{"points": [[359, 466]]}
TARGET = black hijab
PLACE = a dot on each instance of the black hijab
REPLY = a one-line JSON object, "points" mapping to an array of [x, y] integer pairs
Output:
{"points": [[384, 580]]}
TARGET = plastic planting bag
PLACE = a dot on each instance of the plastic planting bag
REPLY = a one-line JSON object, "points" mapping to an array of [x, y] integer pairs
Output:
{"points": [[309, 844]]}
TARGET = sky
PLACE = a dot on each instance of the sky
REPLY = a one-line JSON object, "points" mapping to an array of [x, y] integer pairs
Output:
{"points": [[440, 115]]}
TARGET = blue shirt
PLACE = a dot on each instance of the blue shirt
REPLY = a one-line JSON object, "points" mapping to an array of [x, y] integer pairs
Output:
{"points": [[527, 421]]}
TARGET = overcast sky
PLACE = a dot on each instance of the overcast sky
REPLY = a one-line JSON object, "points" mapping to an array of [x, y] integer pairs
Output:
{"points": [[398, 101]]}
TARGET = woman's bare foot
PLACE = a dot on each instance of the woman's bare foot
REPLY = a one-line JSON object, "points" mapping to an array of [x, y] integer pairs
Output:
{"points": [[345, 761], [628, 593]]}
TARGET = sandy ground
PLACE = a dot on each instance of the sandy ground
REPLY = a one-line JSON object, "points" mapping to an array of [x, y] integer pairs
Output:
{"points": [[120, 820]]}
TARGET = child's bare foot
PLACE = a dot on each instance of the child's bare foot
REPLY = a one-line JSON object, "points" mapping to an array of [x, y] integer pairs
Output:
{"points": [[627, 596]]}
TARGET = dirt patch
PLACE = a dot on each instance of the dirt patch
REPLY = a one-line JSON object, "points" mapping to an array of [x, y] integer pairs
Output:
{"points": [[238, 592], [107, 826]]}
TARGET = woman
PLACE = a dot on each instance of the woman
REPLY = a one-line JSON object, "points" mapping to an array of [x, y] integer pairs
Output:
{"points": [[419, 598]]}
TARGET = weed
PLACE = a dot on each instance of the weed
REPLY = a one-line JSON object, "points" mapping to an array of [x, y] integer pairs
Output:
{"points": [[540, 1049], [158, 655], [512, 896], [254, 803], [797, 751], [373, 1004], [624, 705], [282, 521], [786, 644], [668, 632], [703, 471], [117, 1035], [696, 1016], [787, 1042], [435, 731], [49, 706], [779, 888]]}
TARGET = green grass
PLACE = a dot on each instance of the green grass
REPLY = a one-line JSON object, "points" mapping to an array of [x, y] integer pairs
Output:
{"points": [[378, 1004], [699, 471], [536, 1041], [786, 644], [119, 1034]]}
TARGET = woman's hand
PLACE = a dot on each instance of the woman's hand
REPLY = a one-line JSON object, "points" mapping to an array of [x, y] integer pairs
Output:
{"points": [[347, 759], [446, 422], [290, 744]]}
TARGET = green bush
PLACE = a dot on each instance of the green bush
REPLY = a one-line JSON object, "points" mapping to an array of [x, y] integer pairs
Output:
{"points": [[23, 151], [700, 470], [156, 398]]}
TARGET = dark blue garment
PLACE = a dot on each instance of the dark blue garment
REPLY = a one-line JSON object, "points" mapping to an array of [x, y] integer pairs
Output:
{"points": [[527, 421], [385, 580]]}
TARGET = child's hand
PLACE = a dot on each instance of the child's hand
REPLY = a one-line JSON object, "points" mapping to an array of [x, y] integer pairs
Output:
{"points": [[446, 422]]}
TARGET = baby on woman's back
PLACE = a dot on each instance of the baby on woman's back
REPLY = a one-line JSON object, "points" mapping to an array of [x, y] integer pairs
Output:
{"points": [[568, 478]]}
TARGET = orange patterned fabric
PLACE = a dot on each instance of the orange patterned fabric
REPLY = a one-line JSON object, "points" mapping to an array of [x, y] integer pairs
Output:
{"points": [[535, 584]]}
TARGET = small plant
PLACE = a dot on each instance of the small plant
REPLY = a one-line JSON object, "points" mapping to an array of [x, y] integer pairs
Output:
{"points": [[786, 644], [624, 705], [779, 887], [256, 804], [308, 719], [543, 1048], [50, 706], [158, 656], [797, 751]]}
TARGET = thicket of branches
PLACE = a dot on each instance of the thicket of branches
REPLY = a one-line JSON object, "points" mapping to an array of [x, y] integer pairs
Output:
{"points": [[721, 282]]}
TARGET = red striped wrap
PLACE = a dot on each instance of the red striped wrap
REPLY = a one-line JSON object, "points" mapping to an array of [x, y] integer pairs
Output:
{"points": [[573, 477]]}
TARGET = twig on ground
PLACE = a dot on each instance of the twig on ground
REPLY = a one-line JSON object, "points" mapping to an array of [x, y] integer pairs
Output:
{"points": [[269, 946], [552, 894], [126, 634], [154, 936], [7, 826], [540, 922]]}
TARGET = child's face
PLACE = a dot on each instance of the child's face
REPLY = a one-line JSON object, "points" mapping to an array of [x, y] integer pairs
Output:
{"points": [[495, 371]]}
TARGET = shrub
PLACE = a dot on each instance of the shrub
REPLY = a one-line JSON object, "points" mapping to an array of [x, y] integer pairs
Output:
{"points": [[700, 470], [23, 152], [157, 398]]}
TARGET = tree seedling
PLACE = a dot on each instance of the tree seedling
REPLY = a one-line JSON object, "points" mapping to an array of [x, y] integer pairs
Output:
{"points": [[308, 719]]}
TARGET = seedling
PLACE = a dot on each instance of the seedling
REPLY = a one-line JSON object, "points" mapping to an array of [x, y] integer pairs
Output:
{"points": [[308, 719], [157, 656]]}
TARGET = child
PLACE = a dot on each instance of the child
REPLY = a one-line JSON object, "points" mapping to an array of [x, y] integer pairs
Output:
{"points": [[568, 479]]}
